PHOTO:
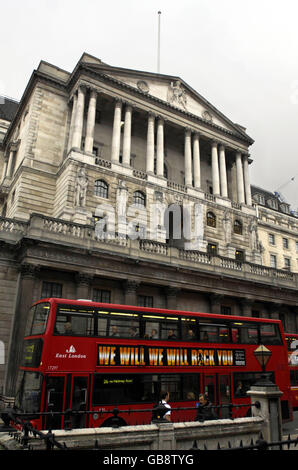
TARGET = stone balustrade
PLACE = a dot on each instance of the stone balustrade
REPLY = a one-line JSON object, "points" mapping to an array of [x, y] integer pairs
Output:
{"points": [[47, 228]]}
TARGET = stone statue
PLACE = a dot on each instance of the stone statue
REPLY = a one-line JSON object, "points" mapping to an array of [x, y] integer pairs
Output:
{"points": [[121, 199], [227, 226], [177, 94], [81, 188], [254, 239]]}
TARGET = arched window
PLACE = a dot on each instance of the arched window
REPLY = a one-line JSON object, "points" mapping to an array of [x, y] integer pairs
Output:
{"points": [[139, 198], [211, 219], [238, 227], [101, 188]]}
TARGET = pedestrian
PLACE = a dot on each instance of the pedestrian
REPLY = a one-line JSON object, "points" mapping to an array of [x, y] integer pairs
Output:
{"points": [[162, 410], [205, 411], [165, 396]]}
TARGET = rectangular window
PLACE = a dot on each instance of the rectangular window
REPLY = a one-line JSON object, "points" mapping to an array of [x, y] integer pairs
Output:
{"points": [[239, 255], [287, 263], [271, 239], [225, 310], [100, 295], [273, 261], [212, 248], [145, 301], [285, 243], [51, 289]]}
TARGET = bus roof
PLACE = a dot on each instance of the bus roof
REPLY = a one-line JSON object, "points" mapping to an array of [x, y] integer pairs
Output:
{"points": [[56, 300]]}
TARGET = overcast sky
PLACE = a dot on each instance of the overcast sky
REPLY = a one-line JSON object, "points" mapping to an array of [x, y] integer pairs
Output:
{"points": [[242, 56]]}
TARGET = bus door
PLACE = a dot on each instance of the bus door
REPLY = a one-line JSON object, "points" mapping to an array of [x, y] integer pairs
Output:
{"points": [[224, 388], [78, 400], [54, 401], [210, 387]]}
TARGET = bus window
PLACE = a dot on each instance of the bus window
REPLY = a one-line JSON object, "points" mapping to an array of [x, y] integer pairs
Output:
{"points": [[172, 384], [235, 335], [224, 335], [28, 397], [125, 325], [117, 389], [39, 315], [189, 329], [169, 328], [250, 335], [270, 334], [208, 333], [102, 323], [71, 321], [243, 381]]}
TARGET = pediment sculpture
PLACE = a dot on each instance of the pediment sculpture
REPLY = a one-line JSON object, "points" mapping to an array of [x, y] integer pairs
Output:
{"points": [[177, 94]]}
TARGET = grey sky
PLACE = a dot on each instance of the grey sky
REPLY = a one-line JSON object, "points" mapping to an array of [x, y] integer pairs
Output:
{"points": [[241, 56]]}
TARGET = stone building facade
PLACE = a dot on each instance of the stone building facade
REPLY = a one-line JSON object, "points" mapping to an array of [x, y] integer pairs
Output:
{"points": [[128, 187]]}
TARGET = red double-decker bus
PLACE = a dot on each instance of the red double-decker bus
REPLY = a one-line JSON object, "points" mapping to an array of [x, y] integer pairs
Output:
{"points": [[88, 356], [292, 343]]}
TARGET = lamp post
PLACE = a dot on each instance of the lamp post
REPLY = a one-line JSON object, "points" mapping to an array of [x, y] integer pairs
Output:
{"points": [[263, 354]]}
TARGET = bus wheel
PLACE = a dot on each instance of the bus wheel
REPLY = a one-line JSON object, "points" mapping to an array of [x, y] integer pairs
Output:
{"points": [[113, 422]]}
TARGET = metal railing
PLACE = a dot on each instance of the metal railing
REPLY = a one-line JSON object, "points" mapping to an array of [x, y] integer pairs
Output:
{"points": [[28, 432]]}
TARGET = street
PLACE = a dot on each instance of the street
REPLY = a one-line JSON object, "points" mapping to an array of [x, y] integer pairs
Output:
{"points": [[291, 427]]}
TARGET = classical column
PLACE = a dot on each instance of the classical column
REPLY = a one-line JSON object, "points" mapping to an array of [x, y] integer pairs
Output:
{"points": [[215, 170], [246, 180], [150, 144], [187, 158], [160, 148], [11, 163], [127, 136], [79, 118], [90, 122], [239, 176], [28, 276], [223, 171], [72, 120], [116, 132], [196, 161]]}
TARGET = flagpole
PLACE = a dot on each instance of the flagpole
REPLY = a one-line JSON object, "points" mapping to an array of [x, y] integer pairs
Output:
{"points": [[158, 44]]}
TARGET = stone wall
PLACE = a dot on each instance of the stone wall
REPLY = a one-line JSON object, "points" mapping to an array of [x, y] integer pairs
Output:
{"points": [[164, 436]]}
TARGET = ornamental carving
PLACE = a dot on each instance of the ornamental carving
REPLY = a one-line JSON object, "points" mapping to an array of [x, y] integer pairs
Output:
{"points": [[143, 86], [177, 94], [207, 116]]}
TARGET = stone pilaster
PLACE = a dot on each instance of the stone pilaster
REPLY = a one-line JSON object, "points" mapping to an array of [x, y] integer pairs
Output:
{"points": [[83, 282], [130, 292], [26, 282], [171, 297]]}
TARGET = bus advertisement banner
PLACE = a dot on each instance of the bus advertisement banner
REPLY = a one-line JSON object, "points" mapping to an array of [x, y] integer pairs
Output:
{"points": [[122, 355]]}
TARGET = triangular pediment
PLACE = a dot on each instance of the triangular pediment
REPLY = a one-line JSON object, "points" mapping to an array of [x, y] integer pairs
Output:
{"points": [[171, 90]]}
